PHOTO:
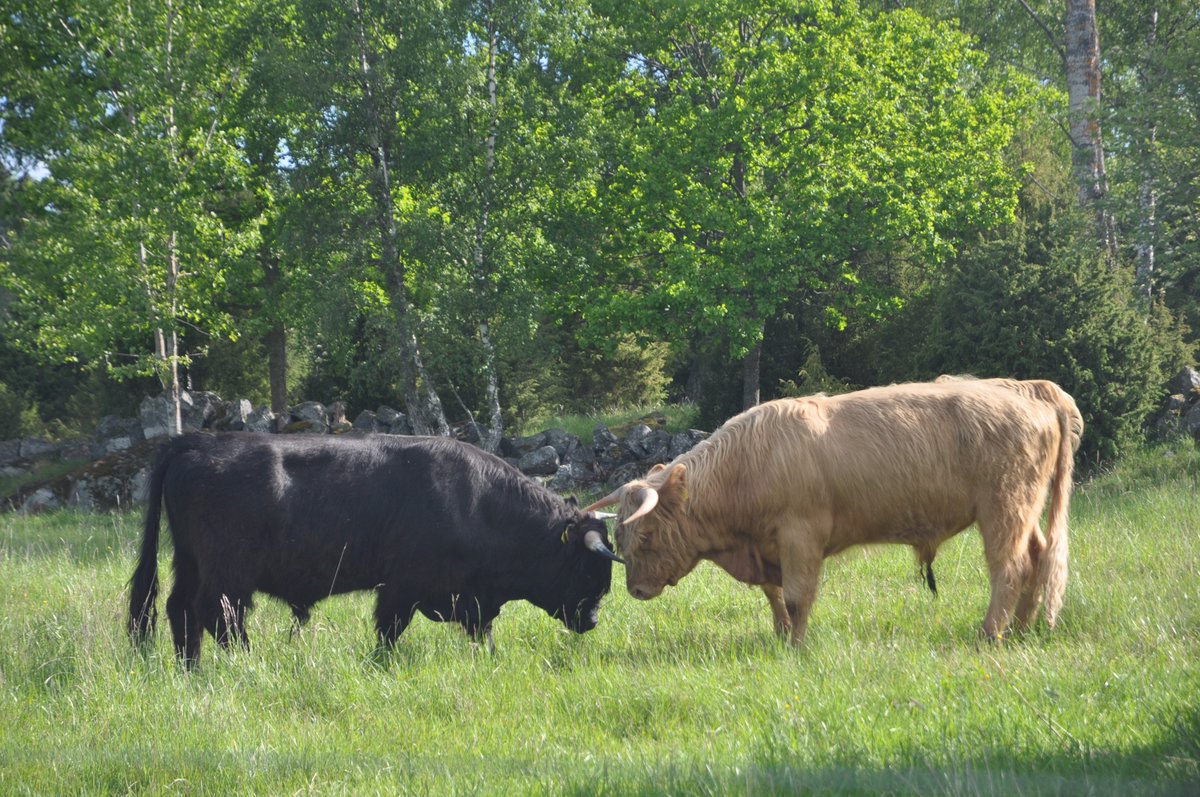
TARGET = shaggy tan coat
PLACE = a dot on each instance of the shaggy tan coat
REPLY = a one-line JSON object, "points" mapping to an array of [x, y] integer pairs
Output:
{"points": [[784, 485]]}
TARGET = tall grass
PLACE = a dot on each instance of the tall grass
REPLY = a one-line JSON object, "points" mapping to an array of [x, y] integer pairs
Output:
{"points": [[689, 693]]}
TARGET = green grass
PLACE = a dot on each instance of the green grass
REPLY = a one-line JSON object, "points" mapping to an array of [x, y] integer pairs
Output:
{"points": [[41, 471], [687, 694], [670, 418]]}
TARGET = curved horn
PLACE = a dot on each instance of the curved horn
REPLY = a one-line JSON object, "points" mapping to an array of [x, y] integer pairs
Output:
{"points": [[613, 498], [595, 543], [649, 501]]}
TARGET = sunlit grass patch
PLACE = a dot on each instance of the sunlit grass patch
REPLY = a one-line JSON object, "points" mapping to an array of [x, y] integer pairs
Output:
{"points": [[688, 693]]}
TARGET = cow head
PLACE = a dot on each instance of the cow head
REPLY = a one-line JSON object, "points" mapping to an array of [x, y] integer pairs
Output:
{"points": [[589, 576], [650, 534]]}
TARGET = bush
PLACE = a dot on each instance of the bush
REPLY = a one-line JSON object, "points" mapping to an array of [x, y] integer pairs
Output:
{"points": [[555, 375], [11, 407], [1017, 308]]}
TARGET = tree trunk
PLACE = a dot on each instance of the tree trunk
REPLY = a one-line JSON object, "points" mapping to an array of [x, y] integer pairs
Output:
{"points": [[751, 365], [1083, 107], [420, 399], [168, 345], [276, 337], [491, 440], [1147, 194]]}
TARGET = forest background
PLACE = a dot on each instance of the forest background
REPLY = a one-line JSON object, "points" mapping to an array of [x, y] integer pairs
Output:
{"points": [[510, 209]]}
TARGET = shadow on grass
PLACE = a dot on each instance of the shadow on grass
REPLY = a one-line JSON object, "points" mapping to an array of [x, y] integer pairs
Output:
{"points": [[1170, 766]]}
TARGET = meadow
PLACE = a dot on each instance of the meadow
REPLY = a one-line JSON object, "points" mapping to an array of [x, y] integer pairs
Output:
{"points": [[687, 694]]}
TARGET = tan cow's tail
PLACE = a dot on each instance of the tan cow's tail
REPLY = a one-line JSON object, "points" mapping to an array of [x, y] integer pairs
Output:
{"points": [[1052, 565]]}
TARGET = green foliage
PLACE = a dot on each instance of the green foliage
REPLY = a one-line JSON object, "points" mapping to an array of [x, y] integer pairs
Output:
{"points": [[812, 378], [11, 407], [1013, 308], [618, 418], [1152, 88], [768, 146], [126, 104], [699, 175], [686, 694], [556, 376]]}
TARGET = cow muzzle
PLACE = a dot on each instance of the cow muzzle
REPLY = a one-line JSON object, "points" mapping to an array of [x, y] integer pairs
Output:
{"points": [[643, 592], [584, 619]]}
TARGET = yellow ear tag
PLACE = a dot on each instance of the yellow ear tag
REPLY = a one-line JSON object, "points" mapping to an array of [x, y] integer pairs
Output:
{"points": [[566, 531]]}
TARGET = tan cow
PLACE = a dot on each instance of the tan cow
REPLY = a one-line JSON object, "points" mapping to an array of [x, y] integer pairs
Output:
{"points": [[1041, 389], [784, 485]]}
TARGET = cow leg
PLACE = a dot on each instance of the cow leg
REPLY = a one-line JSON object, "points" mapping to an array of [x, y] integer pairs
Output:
{"points": [[801, 555], [481, 633], [477, 622], [224, 615], [1031, 594], [393, 613], [186, 631], [1008, 561], [783, 620]]}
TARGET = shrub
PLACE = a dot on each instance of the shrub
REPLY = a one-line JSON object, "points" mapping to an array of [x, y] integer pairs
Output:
{"points": [[11, 407], [1014, 307]]}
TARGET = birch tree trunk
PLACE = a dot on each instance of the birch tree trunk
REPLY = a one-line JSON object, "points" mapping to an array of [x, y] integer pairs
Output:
{"points": [[420, 399], [1083, 107], [171, 349], [491, 439], [176, 427], [1147, 194], [276, 338]]}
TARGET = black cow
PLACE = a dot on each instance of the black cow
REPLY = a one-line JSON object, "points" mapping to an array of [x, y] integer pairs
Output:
{"points": [[432, 525]]}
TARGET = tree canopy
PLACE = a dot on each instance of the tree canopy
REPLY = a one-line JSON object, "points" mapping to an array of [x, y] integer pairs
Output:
{"points": [[487, 210]]}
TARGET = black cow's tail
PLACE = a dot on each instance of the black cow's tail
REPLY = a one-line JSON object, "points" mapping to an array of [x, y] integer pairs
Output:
{"points": [[143, 586]]}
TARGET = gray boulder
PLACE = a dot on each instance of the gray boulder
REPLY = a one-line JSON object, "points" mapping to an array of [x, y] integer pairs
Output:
{"points": [[394, 421], [1187, 382], [10, 451], [625, 473], [1191, 421], [200, 409], [237, 414], [367, 421], [41, 500], [562, 442], [539, 462], [571, 477], [115, 434], [520, 446], [310, 417], [155, 414], [260, 420]]}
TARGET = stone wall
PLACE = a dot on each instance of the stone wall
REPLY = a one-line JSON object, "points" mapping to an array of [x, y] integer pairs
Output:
{"points": [[119, 455]]}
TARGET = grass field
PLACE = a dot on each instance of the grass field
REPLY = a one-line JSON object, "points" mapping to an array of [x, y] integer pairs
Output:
{"points": [[687, 694]]}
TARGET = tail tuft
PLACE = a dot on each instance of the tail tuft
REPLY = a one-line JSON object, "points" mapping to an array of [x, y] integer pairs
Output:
{"points": [[143, 586]]}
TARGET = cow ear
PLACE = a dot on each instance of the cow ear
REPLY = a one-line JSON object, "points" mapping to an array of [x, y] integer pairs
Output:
{"points": [[674, 489], [659, 468], [572, 502]]}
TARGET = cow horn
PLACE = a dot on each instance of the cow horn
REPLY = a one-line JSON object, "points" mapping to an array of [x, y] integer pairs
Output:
{"points": [[605, 515], [649, 501], [595, 544], [612, 498]]}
